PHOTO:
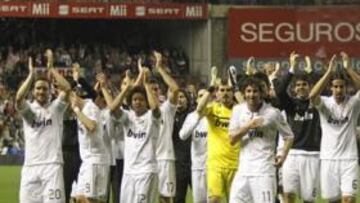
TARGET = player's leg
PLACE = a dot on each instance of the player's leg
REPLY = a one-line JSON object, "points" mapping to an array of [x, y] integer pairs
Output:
{"points": [[146, 187], [349, 180], [228, 175], [263, 189], [53, 183], [330, 180], [199, 187], [240, 190], [101, 179], [309, 177], [128, 189], [167, 181], [30, 186], [291, 178], [216, 185], [183, 181]]}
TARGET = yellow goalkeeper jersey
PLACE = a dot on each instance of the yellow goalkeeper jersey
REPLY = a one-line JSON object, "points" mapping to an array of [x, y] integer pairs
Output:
{"points": [[220, 152]]}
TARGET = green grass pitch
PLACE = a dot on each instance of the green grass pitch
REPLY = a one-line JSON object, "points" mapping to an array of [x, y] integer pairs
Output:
{"points": [[10, 182]]}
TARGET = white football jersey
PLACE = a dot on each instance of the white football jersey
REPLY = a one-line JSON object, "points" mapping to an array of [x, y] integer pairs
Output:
{"points": [[43, 130], [338, 123], [257, 155], [93, 146], [140, 138], [196, 127], [165, 146]]}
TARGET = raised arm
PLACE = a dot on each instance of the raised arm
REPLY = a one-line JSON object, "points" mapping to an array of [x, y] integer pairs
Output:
{"points": [[77, 104], [170, 82], [355, 78], [61, 81], [190, 123], [321, 84], [25, 87], [152, 100]]}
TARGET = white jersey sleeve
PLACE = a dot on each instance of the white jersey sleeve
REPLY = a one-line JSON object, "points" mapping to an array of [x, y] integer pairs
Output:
{"points": [[190, 123], [26, 113]]}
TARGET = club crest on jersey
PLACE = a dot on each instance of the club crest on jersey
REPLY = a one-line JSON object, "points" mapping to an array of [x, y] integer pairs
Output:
{"points": [[41, 123], [334, 121], [200, 134], [138, 135]]}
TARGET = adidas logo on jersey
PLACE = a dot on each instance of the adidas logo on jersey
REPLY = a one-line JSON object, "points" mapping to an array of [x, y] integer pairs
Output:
{"points": [[42, 123], [334, 121], [139, 135], [200, 134]]}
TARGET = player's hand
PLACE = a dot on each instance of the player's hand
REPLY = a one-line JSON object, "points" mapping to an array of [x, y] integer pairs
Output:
{"points": [[101, 78], [308, 67], [293, 61], [158, 59], [50, 58], [30, 66], [146, 77], [76, 71], [250, 68], [345, 60], [256, 122], [75, 102], [332, 64], [275, 73], [232, 76], [279, 160]]}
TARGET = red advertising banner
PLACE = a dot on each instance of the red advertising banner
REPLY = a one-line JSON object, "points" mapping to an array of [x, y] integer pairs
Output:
{"points": [[275, 32], [103, 10]]}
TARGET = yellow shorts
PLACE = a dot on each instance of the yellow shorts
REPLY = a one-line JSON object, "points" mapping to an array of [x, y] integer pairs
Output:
{"points": [[219, 181]]}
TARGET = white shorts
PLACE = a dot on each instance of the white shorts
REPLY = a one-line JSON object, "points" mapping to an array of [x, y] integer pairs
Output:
{"points": [[338, 178], [256, 189], [93, 181], [167, 178], [301, 175], [139, 188], [199, 186], [42, 183]]}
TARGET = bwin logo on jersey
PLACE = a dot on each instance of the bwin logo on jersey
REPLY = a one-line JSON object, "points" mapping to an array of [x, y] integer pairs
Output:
{"points": [[42, 123], [334, 121], [139, 135], [306, 116], [200, 134], [222, 124]]}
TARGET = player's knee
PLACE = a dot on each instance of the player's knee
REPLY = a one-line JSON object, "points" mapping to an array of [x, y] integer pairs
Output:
{"points": [[348, 199], [289, 197], [165, 199], [214, 199]]}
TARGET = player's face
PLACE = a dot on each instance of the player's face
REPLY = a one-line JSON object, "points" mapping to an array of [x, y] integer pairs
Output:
{"points": [[138, 103], [253, 95], [41, 91], [302, 89], [225, 94], [338, 89], [156, 88], [182, 102], [200, 95]]}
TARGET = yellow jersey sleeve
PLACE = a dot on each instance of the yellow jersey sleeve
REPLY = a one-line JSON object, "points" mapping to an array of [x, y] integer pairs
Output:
{"points": [[220, 152]]}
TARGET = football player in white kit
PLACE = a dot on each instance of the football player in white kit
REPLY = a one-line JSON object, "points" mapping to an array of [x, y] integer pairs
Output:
{"points": [[141, 126], [196, 126], [42, 173], [256, 124], [165, 148], [338, 119], [94, 151]]}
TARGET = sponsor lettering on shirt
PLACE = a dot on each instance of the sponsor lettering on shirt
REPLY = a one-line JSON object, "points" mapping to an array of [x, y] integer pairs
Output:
{"points": [[139, 135], [334, 121], [199, 134], [306, 116], [41, 123]]}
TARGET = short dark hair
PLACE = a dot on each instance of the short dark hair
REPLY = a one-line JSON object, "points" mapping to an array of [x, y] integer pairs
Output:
{"points": [[136, 89], [262, 77], [302, 77], [252, 81], [339, 75]]}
